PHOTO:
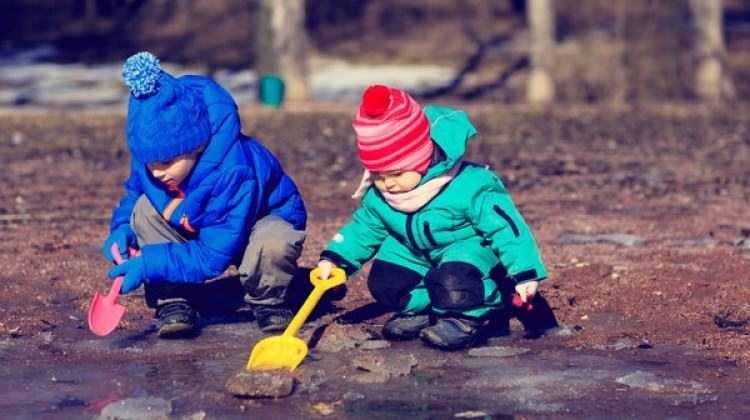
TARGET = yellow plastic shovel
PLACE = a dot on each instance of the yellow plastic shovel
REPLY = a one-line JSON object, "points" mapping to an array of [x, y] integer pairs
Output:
{"points": [[286, 350]]}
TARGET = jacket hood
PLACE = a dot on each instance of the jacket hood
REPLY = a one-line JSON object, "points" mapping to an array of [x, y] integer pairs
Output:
{"points": [[224, 121], [451, 130]]}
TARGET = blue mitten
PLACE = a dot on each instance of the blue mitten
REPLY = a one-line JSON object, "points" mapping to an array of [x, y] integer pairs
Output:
{"points": [[123, 236], [134, 271]]}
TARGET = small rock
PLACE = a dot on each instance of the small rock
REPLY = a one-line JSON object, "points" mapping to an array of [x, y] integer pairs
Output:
{"points": [[621, 344], [374, 344], [326, 409], [471, 414], [377, 377], [47, 337], [353, 396], [145, 408], [337, 337], [369, 362], [497, 351], [5, 345], [308, 379], [17, 138], [261, 384], [645, 344], [564, 331], [706, 241], [433, 362], [402, 364], [198, 415], [741, 243], [381, 370], [648, 381], [621, 239], [616, 238]]}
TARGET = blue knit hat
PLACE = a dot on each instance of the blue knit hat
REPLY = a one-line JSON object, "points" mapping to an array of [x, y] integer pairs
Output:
{"points": [[166, 117]]}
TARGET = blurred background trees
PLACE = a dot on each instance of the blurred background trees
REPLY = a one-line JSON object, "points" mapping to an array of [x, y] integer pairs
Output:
{"points": [[712, 79], [540, 88], [281, 44], [502, 50]]}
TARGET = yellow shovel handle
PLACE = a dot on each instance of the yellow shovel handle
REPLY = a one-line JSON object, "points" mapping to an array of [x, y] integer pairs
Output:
{"points": [[338, 277]]}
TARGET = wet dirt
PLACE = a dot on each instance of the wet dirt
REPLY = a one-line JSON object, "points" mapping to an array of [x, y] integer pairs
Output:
{"points": [[641, 215]]}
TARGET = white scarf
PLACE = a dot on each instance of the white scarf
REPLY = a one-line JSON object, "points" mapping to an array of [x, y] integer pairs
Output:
{"points": [[410, 201]]}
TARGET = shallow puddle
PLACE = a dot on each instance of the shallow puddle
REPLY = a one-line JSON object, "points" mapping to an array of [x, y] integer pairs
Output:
{"points": [[71, 374]]}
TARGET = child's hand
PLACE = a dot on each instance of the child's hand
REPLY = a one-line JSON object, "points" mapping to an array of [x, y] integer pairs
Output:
{"points": [[325, 267], [124, 237], [134, 272], [527, 290]]}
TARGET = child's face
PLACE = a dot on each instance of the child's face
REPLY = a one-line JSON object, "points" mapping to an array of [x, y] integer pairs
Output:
{"points": [[173, 171], [396, 182]]}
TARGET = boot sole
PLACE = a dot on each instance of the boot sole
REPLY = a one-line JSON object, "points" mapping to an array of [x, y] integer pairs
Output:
{"points": [[274, 327], [401, 336], [398, 333], [433, 340], [176, 330]]}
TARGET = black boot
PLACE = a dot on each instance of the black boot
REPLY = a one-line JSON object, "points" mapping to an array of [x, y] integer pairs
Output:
{"points": [[498, 323], [452, 333], [175, 319], [405, 326], [273, 318], [537, 317]]}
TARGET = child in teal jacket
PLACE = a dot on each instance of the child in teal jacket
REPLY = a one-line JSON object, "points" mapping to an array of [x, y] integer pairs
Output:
{"points": [[437, 225]]}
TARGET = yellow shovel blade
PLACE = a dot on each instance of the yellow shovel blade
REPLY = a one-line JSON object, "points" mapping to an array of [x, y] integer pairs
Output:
{"points": [[286, 350], [279, 352]]}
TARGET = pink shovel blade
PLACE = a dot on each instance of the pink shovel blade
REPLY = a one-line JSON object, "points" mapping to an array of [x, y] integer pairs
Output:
{"points": [[105, 314]]}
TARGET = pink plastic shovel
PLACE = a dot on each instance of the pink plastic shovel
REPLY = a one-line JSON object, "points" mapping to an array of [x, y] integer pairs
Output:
{"points": [[104, 313]]}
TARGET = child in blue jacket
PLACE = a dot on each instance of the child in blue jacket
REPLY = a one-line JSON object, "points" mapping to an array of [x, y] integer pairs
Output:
{"points": [[201, 196]]}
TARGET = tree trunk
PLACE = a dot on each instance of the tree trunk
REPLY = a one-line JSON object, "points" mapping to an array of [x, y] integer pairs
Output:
{"points": [[619, 70], [540, 14], [712, 80], [281, 45]]}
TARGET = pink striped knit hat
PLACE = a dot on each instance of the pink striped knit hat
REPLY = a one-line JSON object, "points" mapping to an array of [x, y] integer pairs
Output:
{"points": [[393, 132]]}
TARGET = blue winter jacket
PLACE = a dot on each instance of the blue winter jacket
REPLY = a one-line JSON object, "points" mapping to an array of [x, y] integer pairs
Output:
{"points": [[235, 182]]}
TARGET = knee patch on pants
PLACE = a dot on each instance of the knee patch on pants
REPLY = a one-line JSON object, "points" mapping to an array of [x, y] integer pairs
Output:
{"points": [[390, 284], [455, 285]]}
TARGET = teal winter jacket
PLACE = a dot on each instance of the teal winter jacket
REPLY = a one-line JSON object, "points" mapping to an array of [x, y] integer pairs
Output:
{"points": [[474, 204]]}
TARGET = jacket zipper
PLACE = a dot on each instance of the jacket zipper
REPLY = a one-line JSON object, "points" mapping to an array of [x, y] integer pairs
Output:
{"points": [[409, 232], [428, 234], [507, 218]]}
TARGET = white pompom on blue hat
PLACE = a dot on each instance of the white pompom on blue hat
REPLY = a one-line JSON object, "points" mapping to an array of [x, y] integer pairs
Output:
{"points": [[140, 73], [166, 118]]}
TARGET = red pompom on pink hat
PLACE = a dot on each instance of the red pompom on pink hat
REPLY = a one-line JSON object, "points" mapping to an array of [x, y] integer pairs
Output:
{"points": [[393, 133]]}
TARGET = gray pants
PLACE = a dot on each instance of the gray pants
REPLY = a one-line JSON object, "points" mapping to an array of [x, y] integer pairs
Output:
{"points": [[266, 268]]}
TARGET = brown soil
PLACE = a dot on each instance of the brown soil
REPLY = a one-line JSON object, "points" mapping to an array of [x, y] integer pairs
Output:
{"points": [[675, 176]]}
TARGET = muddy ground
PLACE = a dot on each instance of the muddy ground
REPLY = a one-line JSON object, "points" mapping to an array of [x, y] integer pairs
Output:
{"points": [[641, 215]]}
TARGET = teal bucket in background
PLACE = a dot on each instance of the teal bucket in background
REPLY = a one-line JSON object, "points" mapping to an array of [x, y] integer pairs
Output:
{"points": [[271, 90]]}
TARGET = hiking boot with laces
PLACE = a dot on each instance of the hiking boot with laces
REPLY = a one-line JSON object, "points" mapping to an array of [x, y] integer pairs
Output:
{"points": [[176, 319], [405, 326], [452, 333], [273, 318]]}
